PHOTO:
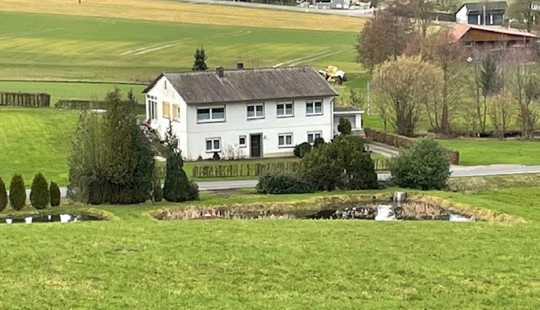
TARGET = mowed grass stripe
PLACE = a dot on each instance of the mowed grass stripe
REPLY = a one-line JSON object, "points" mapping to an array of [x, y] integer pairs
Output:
{"points": [[116, 49], [171, 11]]}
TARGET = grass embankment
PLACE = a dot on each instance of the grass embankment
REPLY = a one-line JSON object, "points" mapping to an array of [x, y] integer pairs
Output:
{"points": [[135, 261], [492, 151]]}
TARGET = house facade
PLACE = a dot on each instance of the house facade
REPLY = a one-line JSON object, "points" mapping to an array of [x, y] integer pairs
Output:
{"points": [[492, 37], [482, 13], [244, 113]]}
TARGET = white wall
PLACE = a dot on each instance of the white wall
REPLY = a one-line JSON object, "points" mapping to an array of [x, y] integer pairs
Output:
{"points": [[236, 124], [461, 16], [168, 94]]}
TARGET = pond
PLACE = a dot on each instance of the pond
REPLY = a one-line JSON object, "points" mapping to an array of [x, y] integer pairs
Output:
{"points": [[398, 209], [53, 218]]}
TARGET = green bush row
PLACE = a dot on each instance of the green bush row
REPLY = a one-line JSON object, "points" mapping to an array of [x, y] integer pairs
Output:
{"points": [[243, 169], [41, 195]]}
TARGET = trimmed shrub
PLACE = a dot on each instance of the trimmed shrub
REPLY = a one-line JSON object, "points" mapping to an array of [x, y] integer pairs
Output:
{"points": [[342, 164], [3, 195], [344, 127], [177, 186], [283, 184], [216, 156], [318, 142], [157, 194], [39, 194], [300, 150], [423, 166], [55, 195], [17, 193]]}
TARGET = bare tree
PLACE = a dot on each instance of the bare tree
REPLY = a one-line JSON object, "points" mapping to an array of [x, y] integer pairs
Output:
{"points": [[501, 112], [403, 86]]}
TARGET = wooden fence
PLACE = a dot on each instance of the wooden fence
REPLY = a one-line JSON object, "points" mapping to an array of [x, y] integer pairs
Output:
{"points": [[39, 100]]}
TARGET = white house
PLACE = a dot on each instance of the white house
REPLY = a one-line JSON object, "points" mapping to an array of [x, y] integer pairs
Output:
{"points": [[482, 13], [245, 113]]}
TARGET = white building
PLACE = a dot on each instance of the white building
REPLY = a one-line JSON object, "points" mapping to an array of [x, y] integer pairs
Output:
{"points": [[245, 113]]}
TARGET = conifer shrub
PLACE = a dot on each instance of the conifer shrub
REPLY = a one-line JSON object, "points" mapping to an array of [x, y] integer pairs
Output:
{"points": [[318, 142], [55, 195], [177, 186], [3, 195], [344, 126], [302, 149], [39, 194], [17, 192]]}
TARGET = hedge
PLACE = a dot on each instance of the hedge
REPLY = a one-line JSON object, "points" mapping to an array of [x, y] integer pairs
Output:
{"points": [[402, 142], [243, 169], [37, 100]]}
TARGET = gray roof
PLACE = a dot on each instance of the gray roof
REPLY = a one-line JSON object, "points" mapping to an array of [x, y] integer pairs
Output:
{"points": [[245, 85], [342, 109]]}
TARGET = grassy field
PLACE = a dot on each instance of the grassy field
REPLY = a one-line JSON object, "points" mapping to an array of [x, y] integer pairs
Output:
{"points": [[493, 151], [59, 90], [56, 47], [36, 140], [176, 11], [135, 261]]}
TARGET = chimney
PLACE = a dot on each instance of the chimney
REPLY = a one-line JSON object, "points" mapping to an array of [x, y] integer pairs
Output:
{"points": [[220, 71], [240, 66]]}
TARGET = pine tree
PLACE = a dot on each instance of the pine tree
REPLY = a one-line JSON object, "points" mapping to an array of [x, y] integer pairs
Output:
{"points": [[3, 195], [17, 193], [55, 195], [39, 195], [344, 126], [200, 60]]}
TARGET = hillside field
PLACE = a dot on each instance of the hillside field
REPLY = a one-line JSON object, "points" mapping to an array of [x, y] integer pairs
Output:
{"points": [[135, 261]]}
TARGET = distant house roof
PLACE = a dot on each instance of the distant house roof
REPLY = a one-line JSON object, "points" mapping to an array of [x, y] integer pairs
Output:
{"points": [[347, 110], [478, 7], [245, 85], [460, 30]]}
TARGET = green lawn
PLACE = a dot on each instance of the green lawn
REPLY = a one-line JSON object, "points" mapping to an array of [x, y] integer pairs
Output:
{"points": [[59, 90], [36, 140], [138, 262], [89, 48], [493, 151]]}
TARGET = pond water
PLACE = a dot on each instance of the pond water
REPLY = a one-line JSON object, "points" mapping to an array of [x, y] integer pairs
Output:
{"points": [[377, 212], [60, 218]]}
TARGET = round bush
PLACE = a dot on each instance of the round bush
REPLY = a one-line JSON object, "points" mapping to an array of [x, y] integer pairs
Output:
{"points": [[424, 166], [39, 194], [17, 193], [300, 150], [54, 191], [283, 184], [3, 195]]}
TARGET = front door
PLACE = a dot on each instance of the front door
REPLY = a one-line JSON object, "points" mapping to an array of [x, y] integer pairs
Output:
{"points": [[255, 145]]}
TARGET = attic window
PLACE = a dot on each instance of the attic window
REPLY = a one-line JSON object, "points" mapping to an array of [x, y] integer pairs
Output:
{"points": [[165, 84]]}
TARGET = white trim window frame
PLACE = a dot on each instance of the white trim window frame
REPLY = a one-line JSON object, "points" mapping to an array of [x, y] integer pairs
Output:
{"points": [[152, 107], [212, 145], [287, 109], [213, 115], [285, 140], [314, 108], [257, 110], [312, 135], [244, 138]]}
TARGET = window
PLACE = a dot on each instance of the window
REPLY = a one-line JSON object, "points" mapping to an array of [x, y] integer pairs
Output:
{"points": [[206, 115], [176, 112], [166, 109], [213, 145], [312, 135], [152, 106], [314, 108], [242, 141], [285, 109], [285, 140], [255, 111]]}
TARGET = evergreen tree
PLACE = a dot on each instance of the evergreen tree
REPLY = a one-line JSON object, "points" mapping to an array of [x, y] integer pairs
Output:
{"points": [[55, 195], [39, 194], [344, 126], [17, 193], [200, 60], [3, 195], [177, 186]]}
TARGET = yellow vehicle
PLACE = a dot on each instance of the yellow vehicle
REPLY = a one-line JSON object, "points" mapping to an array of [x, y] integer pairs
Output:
{"points": [[333, 74]]}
